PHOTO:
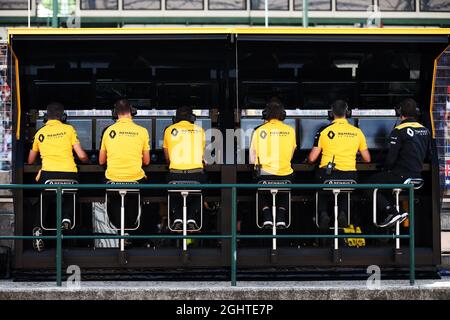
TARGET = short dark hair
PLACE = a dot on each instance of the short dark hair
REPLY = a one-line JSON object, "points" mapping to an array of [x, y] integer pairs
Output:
{"points": [[339, 108], [122, 106], [55, 111], [275, 109], [408, 108], [183, 113]]}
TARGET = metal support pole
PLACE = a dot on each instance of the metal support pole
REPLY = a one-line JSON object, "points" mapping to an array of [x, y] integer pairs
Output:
{"points": [[184, 194], [58, 237], [29, 14], [397, 224], [266, 13], [55, 14], [122, 219], [274, 218], [412, 266], [233, 236], [305, 19], [336, 226]]}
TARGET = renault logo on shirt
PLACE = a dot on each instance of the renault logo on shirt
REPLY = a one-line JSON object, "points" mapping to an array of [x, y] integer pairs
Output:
{"points": [[41, 138], [263, 134], [174, 132], [112, 134], [331, 134]]}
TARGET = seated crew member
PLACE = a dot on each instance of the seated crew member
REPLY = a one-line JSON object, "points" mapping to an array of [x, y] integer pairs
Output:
{"points": [[184, 148], [409, 147], [271, 151], [55, 142], [337, 144], [124, 149]]}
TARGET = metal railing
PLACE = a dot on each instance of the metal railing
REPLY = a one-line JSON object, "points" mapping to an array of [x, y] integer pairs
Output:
{"points": [[59, 237]]}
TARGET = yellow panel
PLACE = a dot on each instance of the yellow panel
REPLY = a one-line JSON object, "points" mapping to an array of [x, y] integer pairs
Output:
{"points": [[219, 30]]}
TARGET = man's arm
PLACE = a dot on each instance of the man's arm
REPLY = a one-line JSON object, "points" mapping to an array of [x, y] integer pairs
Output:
{"points": [[395, 144], [294, 143], [166, 155], [252, 156], [102, 157], [252, 153], [33, 151], [146, 149], [32, 156], [316, 150], [146, 157], [314, 154], [365, 155], [82, 155]]}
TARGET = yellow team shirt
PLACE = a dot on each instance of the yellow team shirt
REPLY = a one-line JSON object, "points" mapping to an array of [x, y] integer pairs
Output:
{"points": [[124, 143], [342, 141], [54, 142], [185, 142], [274, 143]]}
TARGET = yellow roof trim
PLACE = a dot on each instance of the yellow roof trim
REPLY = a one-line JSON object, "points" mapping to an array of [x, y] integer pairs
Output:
{"points": [[218, 30]]}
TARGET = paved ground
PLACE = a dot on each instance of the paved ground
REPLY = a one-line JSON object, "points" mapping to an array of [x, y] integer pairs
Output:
{"points": [[318, 290]]}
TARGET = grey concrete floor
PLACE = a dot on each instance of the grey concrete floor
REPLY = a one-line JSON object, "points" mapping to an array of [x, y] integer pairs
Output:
{"points": [[245, 290]]}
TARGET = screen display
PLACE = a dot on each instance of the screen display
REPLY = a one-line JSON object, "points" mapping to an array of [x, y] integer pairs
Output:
{"points": [[83, 128], [377, 131], [248, 125], [100, 126], [308, 130], [163, 123]]}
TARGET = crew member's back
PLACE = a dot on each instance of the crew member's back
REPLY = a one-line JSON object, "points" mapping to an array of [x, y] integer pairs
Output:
{"points": [[124, 143], [274, 143]]}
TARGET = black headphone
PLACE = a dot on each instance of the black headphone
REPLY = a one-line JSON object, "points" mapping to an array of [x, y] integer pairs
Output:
{"points": [[190, 117], [348, 112], [265, 114], [63, 117], [115, 116]]}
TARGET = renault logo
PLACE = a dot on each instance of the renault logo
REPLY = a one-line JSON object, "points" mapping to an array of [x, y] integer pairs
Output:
{"points": [[263, 134], [331, 135], [112, 134], [41, 138], [174, 132], [410, 132]]}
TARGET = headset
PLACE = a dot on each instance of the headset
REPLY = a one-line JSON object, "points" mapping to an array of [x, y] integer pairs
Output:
{"points": [[190, 117], [265, 114], [115, 116], [348, 112], [63, 117]]}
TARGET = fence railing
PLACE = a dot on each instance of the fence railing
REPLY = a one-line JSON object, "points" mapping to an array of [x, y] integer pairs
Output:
{"points": [[233, 236]]}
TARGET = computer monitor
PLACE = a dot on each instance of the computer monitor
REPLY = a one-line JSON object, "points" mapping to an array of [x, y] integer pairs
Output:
{"points": [[147, 124], [83, 128], [163, 123], [101, 124], [248, 125], [308, 129], [377, 131]]}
